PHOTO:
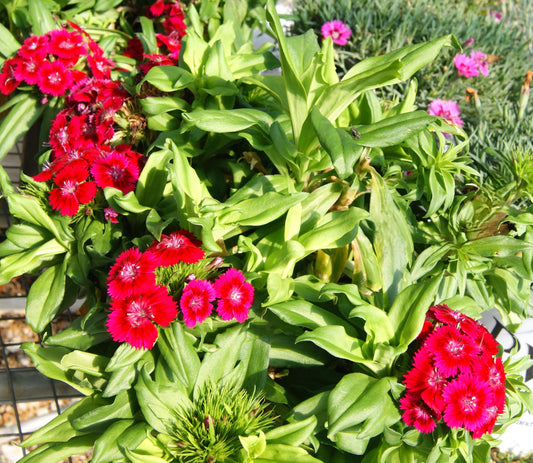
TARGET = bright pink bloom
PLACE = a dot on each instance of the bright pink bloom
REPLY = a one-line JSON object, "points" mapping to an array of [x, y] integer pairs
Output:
{"points": [[72, 190], [132, 320], [178, 246], [67, 45], [466, 66], [235, 295], [481, 61], [416, 413], [157, 9], [115, 170], [337, 30], [195, 302], [452, 351], [132, 274], [54, 78], [448, 109], [496, 15], [467, 401], [156, 59]]}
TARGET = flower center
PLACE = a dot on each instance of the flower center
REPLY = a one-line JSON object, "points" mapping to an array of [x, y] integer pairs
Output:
{"points": [[455, 348], [137, 313], [116, 173], [129, 271], [470, 403], [69, 187], [54, 78], [235, 295]]}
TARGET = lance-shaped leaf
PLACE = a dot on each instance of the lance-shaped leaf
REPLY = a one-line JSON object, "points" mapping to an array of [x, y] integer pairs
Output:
{"points": [[408, 311], [45, 297], [168, 78], [40, 17], [335, 230], [361, 404], [338, 143], [60, 451], [228, 120], [392, 241], [293, 433], [393, 130]]}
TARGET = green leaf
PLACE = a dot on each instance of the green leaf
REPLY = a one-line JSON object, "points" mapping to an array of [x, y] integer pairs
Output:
{"points": [[82, 333], [86, 362], [295, 92], [158, 104], [303, 313], [97, 420], [106, 447], [178, 351], [408, 311], [48, 361], [260, 210], [496, 246], [55, 452], [60, 428], [10, 46], [153, 178], [151, 397], [280, 453], [229, 120], [147, 37], [362, 404], [334, 230], [45, 297], [392, 241], [293, 433], [167, 78], [336, 342], [40, 17], [29, 261], [341, 147], [393, 130], [28, 209]]}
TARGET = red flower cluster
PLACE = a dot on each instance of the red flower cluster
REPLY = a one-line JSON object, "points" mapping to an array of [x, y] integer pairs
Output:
{"points": [[49, 61], [138, 303], [455, 375], [171, 17], [82, 159]]}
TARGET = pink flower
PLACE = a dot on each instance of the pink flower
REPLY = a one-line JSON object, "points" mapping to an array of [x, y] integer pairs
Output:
{"points": [[178, 246], [466, 66], [448, 109], [235, 295], [467, 401], [72, 190], [132, 274], [132, 319], [496, 15], [195, 302], [481, 61], [116, 170], [34, 47], [27, 69], [337, 30], [54, 78]]}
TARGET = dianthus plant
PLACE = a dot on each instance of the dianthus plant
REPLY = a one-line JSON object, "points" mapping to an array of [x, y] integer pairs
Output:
{"points": [[147, 289], [456, 376]]}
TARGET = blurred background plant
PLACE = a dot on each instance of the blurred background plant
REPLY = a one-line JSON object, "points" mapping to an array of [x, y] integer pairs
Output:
{"points": [[493, 108]]}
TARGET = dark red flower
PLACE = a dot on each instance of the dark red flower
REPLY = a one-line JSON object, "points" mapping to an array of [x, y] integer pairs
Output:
{"points": [[54, 78], [195, 302], [28, 70], [156, 60], [132, 274], [72, 190], [8, 80], [417, 413], [116, 170], [235, 295], [132, 319], [134, 49], [178, 246]]}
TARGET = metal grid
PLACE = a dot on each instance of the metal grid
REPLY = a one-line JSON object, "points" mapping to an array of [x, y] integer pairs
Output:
{"points": [[28, 399]]}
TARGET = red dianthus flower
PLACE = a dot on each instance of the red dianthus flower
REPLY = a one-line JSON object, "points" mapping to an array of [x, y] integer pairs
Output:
{"points": [[195, 301], [54, 78], [132, 274], [178, 246], [72, 190]]}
